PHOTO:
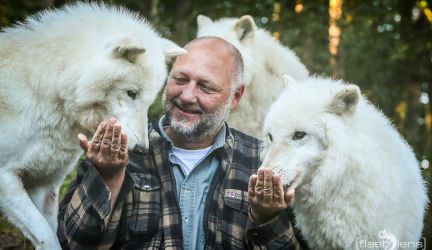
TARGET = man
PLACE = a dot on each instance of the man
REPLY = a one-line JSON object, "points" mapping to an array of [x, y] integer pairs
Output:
{"points": [[196, 187]]}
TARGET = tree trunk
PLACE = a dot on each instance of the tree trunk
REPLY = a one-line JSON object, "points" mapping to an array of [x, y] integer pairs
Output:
{"points": [[182, 13]]}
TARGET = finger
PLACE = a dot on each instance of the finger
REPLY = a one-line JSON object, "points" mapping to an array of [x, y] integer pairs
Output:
{"points": [[252, 182], [116, 140], [278, 192], [123, 153], [289, 195], [259, 185], [97, 137], [84, 143], [268, 186], [107, 138]]}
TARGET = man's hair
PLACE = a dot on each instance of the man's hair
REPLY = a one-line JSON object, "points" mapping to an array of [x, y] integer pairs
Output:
{"points": [[238, 70]]}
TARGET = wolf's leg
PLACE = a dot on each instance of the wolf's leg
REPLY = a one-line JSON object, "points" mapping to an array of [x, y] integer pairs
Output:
{"points": [[20, 210], [45, 198]]}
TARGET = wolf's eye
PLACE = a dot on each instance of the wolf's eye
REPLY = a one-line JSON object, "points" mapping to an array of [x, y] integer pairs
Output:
{"points": [[132, 94], [270, 136], [298, 135]]}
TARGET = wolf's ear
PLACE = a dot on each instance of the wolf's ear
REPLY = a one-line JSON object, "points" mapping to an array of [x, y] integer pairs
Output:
{"points": [[245, 28], [170, 49], [203, 20], [345, 101], [288, 81], [127, 48]]}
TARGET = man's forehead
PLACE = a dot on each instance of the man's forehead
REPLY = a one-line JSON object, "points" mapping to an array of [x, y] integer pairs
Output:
{"points": [[208, 60], [205, 56], [188, 72]]}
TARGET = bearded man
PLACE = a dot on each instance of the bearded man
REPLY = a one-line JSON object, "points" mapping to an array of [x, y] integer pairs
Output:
{"points": [[198, 185]]}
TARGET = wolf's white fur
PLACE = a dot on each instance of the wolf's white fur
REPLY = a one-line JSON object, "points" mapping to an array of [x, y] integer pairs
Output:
{"points": [[265, 59], [354, 174], [61, 73]]}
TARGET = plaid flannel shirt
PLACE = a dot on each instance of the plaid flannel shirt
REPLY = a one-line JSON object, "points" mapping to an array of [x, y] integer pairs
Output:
{"points": [[147, 215]]}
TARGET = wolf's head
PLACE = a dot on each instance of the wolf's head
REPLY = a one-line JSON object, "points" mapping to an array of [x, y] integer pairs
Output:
{"points": [[101, 62], [261, 51], [302, 123], [122, 82]]}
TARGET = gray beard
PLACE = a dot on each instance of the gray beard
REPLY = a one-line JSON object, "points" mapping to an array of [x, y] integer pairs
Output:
{"points": [[208, 125]]}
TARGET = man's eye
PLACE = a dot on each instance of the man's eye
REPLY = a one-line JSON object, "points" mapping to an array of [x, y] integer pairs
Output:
{"points": [[180, 80], [132, 94], [298, 135], [206, 89]]}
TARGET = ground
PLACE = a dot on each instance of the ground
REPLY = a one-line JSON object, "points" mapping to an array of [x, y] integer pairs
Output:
{"points": [[11, 238]]}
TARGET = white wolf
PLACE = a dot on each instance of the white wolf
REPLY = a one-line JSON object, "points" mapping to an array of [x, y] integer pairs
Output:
{"points": [[355, 177], [265, 59], [61, 73]]}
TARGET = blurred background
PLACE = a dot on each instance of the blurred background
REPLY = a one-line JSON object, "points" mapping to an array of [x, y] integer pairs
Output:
{"points": [[384, 46]]}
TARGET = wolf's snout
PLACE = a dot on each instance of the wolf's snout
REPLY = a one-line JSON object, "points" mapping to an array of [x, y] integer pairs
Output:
{"points": [[134, 141], [137, 135]]}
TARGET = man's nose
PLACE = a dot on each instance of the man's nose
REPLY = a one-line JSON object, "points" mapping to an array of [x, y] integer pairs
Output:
{"points": [[188, 94]]}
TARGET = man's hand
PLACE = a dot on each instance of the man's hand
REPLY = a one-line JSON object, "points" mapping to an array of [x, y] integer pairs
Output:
{"points": [[266, 195], [107, 150]]}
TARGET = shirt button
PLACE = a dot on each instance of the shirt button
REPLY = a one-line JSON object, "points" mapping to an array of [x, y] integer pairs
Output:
{"points": [[186, 219]]}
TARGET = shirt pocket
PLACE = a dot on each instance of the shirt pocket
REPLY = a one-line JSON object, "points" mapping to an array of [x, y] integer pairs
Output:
{"points": [[237, 200], [146, 205], [235, 217]]}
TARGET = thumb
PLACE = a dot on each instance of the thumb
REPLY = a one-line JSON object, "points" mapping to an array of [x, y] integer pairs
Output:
{"points": [[84, 144], [289, 195]]}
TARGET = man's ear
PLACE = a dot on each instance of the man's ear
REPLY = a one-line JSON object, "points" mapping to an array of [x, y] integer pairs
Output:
{"points": [[237, 96]]}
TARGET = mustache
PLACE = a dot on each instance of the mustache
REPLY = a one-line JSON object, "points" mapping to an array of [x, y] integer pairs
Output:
{"points": [[188, 107]]}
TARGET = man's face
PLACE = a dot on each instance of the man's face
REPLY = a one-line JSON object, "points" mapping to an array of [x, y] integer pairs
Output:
{"points": [[198, 95]]}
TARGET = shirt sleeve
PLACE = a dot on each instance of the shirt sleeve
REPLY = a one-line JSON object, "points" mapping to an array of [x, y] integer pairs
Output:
{"points": [[278, 233], [84, 209]]}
